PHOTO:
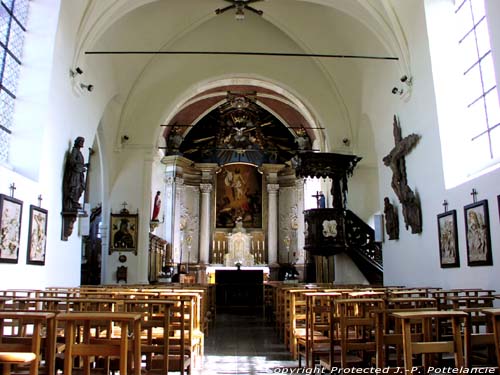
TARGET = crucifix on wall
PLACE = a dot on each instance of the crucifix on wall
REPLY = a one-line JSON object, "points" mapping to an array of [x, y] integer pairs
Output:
{"points": [[395, 160]]}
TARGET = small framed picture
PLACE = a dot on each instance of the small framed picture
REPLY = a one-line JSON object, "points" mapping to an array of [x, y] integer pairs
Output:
{"points": [[124, 232], [448, 239], [37, 236], [11, 211], [477, 232]]}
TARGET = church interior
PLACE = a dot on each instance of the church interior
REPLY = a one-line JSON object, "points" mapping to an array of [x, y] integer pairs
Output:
{"points": [[319, 175]]}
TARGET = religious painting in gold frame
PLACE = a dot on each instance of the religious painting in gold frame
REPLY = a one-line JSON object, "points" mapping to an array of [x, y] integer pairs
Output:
{"points": [[239, 194], [124, 232]]}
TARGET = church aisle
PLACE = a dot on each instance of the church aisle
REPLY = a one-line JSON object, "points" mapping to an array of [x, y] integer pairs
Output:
{"points": [[243, 343]]}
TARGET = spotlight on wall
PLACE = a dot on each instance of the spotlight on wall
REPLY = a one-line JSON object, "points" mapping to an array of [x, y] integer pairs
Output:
{"points": [[89, 88], [75, 72], [406, 80], [125, 138], [395, 91], [346, 141]]}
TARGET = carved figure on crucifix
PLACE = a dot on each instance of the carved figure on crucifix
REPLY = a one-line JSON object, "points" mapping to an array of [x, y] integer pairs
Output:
{"points": [[320, 199], [396, 161]]}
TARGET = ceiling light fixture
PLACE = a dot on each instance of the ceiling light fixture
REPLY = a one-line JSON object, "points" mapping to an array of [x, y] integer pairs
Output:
{"points": [[240, 6]]}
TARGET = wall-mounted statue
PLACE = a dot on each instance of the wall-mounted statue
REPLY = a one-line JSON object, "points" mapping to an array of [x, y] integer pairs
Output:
{"points": [[74, 178], [73, 186], [396, 161], [391, 220]]}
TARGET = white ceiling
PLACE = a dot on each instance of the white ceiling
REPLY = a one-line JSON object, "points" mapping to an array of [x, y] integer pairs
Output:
{"points": [[153, 89]]}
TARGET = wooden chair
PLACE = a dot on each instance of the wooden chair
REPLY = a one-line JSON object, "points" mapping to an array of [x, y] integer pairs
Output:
{"points": [[431, 342], [322, 329], [7, 359], [358, 339], [91, 345], [389, 333], [24, 334], [481, 342], [493, 315], [295, 323], [155, 326]]}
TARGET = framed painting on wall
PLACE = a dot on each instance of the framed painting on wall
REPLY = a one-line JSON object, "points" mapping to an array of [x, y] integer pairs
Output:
{"points": [[37, 236], [239, 195], [124, 232], [448, 239], [11, 211], [477, 232]]}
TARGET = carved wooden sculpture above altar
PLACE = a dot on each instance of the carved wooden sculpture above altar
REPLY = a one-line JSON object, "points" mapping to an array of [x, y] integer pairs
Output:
{"points": [[239, 130]]}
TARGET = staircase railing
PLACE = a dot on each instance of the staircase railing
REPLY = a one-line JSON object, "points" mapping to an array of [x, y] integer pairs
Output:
{"points": [[365, 252]]}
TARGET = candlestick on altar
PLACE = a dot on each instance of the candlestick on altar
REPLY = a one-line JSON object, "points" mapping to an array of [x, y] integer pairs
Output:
{"points": [[218, 245]]}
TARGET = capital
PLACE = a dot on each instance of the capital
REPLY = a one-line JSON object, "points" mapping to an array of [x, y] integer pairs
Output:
{"points": [[273, 188], [206, 188]]}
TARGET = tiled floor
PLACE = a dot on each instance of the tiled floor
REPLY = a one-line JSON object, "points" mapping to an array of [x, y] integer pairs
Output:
{"points": [[243, 343]]}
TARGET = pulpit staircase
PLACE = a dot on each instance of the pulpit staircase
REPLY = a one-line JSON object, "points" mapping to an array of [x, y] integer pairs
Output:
{"points": [[362, 248], [335, 230]]}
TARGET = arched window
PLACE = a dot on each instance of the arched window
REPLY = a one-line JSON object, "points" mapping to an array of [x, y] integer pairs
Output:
{"points": [[463, 66], [13, 15], [479, 82]]}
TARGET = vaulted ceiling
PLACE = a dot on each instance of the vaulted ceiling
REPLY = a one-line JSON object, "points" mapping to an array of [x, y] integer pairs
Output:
{"points": [[155, 89]]}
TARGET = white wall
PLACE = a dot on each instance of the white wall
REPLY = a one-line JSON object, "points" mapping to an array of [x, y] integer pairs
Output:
{"points": [[414, 259], [61, 113], [49, 105]]}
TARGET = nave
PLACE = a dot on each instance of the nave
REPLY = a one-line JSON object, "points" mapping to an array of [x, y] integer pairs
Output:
{"points": [[244, 343]]}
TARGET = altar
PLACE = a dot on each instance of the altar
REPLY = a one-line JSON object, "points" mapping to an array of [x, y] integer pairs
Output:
{"points": [[238, 247], [211, 270], [239, 286]]}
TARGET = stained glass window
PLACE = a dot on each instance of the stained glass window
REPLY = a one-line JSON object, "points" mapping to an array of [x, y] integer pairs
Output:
{"points": [[13, 15]]}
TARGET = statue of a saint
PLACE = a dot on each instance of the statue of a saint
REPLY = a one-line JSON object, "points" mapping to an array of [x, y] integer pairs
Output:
{"points": [[391, 220], [74, 177], [156, 207]]}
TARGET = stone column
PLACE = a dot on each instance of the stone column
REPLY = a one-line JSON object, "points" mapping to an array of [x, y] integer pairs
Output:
{"points": [[272, 223], [206, 189], [178, 229]]}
